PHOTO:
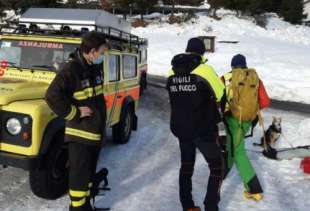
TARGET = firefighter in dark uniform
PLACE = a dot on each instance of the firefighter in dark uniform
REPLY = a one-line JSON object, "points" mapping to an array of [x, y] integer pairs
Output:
{"points": [[195, 91], [76, 94]]}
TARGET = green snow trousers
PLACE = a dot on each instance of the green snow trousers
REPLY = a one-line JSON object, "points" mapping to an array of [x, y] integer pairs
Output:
{"points": [[236, 153]]}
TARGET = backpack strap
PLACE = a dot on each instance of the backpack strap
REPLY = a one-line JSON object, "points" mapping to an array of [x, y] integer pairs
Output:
{"points": [[254, 123], [261, 123], [228, 91]]}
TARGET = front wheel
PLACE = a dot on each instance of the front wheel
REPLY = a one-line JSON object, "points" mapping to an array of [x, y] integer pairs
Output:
{"points": [[51, 181], [122, 130]]}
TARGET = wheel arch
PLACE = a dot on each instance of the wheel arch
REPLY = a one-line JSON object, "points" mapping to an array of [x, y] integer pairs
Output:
{"points": [[129, 102], [55, 126]]}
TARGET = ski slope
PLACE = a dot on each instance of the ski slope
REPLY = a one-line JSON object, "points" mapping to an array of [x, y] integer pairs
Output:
{"points": [[144, 173], [280, 53]]}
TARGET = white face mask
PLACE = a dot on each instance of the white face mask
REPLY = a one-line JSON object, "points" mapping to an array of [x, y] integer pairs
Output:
{"points": [[100, 59]]}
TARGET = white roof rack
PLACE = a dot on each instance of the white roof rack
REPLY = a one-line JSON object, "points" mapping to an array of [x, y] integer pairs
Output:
{"points": [[80, 17]]}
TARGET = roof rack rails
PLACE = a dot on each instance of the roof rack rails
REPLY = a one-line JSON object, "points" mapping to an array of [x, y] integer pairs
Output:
{"points": [[73, 23], [111, 33]]}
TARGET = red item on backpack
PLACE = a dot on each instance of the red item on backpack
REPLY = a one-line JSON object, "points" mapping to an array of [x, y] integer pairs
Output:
{"points": [[305, 165], [263, 98]]}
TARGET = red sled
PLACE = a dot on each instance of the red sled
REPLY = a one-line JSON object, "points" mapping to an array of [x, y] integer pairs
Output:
{"points": [[305, 165]]}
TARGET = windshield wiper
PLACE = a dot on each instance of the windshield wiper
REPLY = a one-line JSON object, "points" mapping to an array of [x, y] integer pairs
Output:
{"points": [[43, 66], [13, 64]]}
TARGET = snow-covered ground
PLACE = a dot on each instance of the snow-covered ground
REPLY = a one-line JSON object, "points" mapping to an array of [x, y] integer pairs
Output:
{"points": [[280, 53], [9, 15], [144, 173]]}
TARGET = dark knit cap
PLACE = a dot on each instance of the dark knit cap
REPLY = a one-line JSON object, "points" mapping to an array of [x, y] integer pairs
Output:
{"points": [[196, 45], [238, 61]]}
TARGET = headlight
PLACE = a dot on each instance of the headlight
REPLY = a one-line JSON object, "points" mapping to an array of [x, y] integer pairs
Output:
{"points": [[13, 126]]}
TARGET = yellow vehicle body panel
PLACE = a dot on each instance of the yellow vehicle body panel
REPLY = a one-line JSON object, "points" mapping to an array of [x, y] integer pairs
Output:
{"points": [[41, 115], [42, 38], [22, 91], [29, 75]]}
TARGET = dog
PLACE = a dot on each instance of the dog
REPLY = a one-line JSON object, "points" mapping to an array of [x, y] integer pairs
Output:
{"points": [[273, 133]]}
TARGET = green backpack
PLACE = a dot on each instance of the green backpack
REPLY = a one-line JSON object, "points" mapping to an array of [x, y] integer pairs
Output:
{"points": [[244, 86]]}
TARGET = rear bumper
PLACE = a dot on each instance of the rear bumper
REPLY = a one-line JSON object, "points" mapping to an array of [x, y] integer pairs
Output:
{"points": [[19, 161]]}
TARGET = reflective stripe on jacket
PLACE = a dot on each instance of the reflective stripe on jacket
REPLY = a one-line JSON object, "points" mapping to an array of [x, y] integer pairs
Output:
{"points": [[79, 84]]}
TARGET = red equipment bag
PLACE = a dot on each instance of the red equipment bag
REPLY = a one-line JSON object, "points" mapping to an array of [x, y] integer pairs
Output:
{"points": [[305, 165]]}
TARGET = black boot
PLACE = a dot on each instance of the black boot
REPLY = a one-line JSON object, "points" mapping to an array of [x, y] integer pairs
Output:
{"points": [[209, 207], [255, 186], [193, 209], [82, 208]]}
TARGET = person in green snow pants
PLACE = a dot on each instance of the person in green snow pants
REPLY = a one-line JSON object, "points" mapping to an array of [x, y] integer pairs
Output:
{"points": [[235, 146], [236, 131]]}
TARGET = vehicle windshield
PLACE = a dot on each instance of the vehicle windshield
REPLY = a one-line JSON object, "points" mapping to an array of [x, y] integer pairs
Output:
{"points": [[36, 54]]}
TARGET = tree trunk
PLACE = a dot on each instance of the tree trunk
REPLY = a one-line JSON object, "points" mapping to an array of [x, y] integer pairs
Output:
{"points": [[173, 7], [214, 13]]}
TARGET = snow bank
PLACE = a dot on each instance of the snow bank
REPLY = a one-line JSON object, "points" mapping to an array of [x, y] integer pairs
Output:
{"points": [[295, 131], [280, 52], [9, 14]]}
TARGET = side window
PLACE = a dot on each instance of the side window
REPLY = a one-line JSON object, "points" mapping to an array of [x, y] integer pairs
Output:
{"points": [[129, 66], [144, 56], [114, 68]]}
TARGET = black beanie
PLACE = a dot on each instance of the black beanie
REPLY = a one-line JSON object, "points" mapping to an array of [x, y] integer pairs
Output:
{"points": [[196, 45]]}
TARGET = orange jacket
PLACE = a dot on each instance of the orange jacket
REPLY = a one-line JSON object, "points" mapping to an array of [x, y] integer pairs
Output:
{"points": [[263, 98]]}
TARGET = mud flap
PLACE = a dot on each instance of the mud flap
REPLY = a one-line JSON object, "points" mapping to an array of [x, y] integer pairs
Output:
{"points": [[135, 123]]}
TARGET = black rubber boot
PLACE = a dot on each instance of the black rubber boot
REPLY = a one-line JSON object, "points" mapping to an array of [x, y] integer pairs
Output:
{"points": [[255, 186], [209, 207], [195, 208], [82, 208]]}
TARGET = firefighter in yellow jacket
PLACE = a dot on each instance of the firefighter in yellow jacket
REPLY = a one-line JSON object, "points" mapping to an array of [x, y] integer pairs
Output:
{"points": [[76, 95]]}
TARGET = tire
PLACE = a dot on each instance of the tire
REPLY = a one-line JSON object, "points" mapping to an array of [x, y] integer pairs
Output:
{"points": [[51, 180], [122, 131]]}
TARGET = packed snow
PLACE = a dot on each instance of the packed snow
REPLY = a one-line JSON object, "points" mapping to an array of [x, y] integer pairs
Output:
{"points": [[144, 172], [9, 15], [304, 131], [280, 52]]}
